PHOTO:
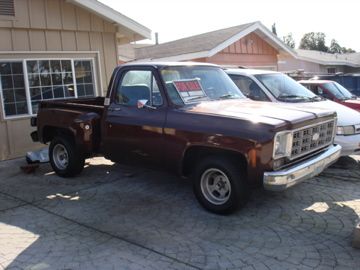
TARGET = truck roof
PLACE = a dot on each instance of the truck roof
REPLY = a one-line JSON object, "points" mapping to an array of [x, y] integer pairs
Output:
{"points": [[167, 64]]}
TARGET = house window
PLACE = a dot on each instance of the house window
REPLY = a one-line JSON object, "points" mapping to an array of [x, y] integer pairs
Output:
{"points": [[49, 79], [331, 70], [13, 88], [84, 78], [7, 8], [43, 79]]}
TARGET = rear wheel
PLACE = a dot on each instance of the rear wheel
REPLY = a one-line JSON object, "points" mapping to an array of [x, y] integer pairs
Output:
{"points": [[220, 185], [65, 158]]}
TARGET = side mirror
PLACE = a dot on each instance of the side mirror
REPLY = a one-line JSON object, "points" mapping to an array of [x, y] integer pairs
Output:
{"points": [[142, 103]]}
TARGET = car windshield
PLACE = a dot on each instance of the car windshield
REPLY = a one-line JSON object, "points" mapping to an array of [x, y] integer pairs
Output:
{"points": [[338, 90], [188, 84], [286, 89]]}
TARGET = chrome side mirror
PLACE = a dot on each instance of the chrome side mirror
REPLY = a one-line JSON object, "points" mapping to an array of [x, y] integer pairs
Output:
{"points": [[142, 103]]}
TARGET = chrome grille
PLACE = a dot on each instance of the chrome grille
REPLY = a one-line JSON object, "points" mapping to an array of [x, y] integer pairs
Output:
{"points": [[312, 138]]}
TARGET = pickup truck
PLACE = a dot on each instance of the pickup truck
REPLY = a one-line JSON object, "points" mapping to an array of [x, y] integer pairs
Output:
{"points": [[191, 119]]}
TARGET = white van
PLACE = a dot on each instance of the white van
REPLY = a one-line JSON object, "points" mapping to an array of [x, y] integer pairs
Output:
{"points": [[270, 86]]}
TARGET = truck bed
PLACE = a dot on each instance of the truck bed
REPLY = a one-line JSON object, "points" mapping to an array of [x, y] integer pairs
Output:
{"points": [[84, 104]]}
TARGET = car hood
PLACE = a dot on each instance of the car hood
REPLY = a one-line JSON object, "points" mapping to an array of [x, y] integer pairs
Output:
{"points": [[260, 112], [345, 115]]}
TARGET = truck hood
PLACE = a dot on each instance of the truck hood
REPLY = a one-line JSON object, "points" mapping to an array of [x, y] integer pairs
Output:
{"points": [[259, 112], [345, 115]]}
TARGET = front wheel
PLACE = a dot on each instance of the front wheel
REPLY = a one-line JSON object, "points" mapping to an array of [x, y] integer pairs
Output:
{"points": [[220, 185], [65, 158]]}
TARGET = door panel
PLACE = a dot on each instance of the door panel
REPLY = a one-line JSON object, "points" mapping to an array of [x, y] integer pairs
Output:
{"points": [[134, 135]]}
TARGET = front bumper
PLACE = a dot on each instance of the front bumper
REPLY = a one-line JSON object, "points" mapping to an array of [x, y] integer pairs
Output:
{"points": [[283, 179], [350, 144]]}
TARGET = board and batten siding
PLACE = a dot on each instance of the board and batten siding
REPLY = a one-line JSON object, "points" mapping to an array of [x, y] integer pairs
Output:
{"points": [[250, 51], [52, 29]]}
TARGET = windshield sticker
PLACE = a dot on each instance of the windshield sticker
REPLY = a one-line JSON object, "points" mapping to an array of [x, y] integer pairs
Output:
{"points": [[189, 88]]}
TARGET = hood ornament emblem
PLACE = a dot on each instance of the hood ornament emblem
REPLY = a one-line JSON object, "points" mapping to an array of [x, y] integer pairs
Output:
{"points": [[315, 136]]}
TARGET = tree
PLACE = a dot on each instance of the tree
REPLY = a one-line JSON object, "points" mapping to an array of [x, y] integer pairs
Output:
{"points": [[347, 50], [289, 40], [273, 29], [335, 47], [314, 41]]}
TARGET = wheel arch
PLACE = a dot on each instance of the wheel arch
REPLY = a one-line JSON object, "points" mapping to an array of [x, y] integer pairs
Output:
{"points": [[194, 153]]}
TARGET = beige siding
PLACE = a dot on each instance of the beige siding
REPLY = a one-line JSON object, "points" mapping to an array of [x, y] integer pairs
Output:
{"points": [[37, 40], [68, 40], [52, 25], [6, 40]]}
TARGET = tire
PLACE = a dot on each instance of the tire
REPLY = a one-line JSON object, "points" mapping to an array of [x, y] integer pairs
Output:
{"points": [[65, 158], [230, 191]]}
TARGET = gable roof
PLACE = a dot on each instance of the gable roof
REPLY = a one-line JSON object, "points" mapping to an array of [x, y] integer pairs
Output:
{"points": [[323, 58], [114, 16], [208, 44]]}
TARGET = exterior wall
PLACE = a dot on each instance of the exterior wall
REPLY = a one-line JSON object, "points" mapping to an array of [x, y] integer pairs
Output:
{"points": [[288, 63], [52, 29], [351, 70], [250, 51]]}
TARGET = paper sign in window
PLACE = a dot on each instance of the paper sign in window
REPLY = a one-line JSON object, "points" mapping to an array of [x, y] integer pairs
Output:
{"points": [[189, 88]]}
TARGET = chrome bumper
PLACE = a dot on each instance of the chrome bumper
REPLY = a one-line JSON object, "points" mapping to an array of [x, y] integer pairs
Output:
{"points": [[281, 180]]}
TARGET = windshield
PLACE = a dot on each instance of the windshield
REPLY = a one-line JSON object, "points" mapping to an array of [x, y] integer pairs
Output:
{"points": [[338, 90], [187, 84], [286, 89]]}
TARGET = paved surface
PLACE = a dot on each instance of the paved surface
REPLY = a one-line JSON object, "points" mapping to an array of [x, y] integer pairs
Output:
{"points": [[114, 217]]}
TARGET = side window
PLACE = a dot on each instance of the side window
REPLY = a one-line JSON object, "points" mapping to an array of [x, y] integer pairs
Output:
{"points": [[249, 88], [136, 85]]}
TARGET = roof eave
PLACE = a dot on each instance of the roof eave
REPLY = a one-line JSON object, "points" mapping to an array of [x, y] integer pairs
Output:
{"points": [[252, 28], [180, 57], [327, 63], [113, 16]]}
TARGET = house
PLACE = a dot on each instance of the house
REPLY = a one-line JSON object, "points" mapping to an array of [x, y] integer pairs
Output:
{"points": [[320, 62], [251, 45], [54, 49]]}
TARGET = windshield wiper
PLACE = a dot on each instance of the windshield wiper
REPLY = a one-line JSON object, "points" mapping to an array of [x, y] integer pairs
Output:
{"points": [[195, 98], [283, 96], [316, 98], [227, 96]]}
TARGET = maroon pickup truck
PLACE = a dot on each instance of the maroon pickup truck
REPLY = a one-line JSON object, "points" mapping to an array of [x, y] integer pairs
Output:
{"points": [[191, 119]]}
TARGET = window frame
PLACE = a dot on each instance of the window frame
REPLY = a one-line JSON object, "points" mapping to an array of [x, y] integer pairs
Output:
{"points": [[27, 87], [120, 79]]}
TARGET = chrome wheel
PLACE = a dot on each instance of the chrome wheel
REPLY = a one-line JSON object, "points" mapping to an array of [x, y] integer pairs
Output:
{"points": [[60, 156], [215, 186]]}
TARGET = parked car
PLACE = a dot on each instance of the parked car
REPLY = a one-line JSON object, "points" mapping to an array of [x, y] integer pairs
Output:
{"points": [[351, 81], [263, 85], [191, 119], [333, 91]]}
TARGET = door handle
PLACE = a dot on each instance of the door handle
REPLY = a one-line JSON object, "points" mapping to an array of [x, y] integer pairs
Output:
{"points": [[116, 109]]}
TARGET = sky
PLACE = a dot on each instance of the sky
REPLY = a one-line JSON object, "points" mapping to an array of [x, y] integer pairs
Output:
{"points": [[174, 19]]}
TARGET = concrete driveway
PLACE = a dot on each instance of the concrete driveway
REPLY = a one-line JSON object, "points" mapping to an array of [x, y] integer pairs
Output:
{"points": [[115, 217]]}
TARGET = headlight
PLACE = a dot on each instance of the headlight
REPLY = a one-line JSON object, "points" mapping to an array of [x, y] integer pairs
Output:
{"points": [[347, 130], [282, 144]]}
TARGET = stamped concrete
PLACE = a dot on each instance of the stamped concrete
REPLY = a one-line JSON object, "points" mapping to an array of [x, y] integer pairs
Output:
{"points": [[116, 217]]}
